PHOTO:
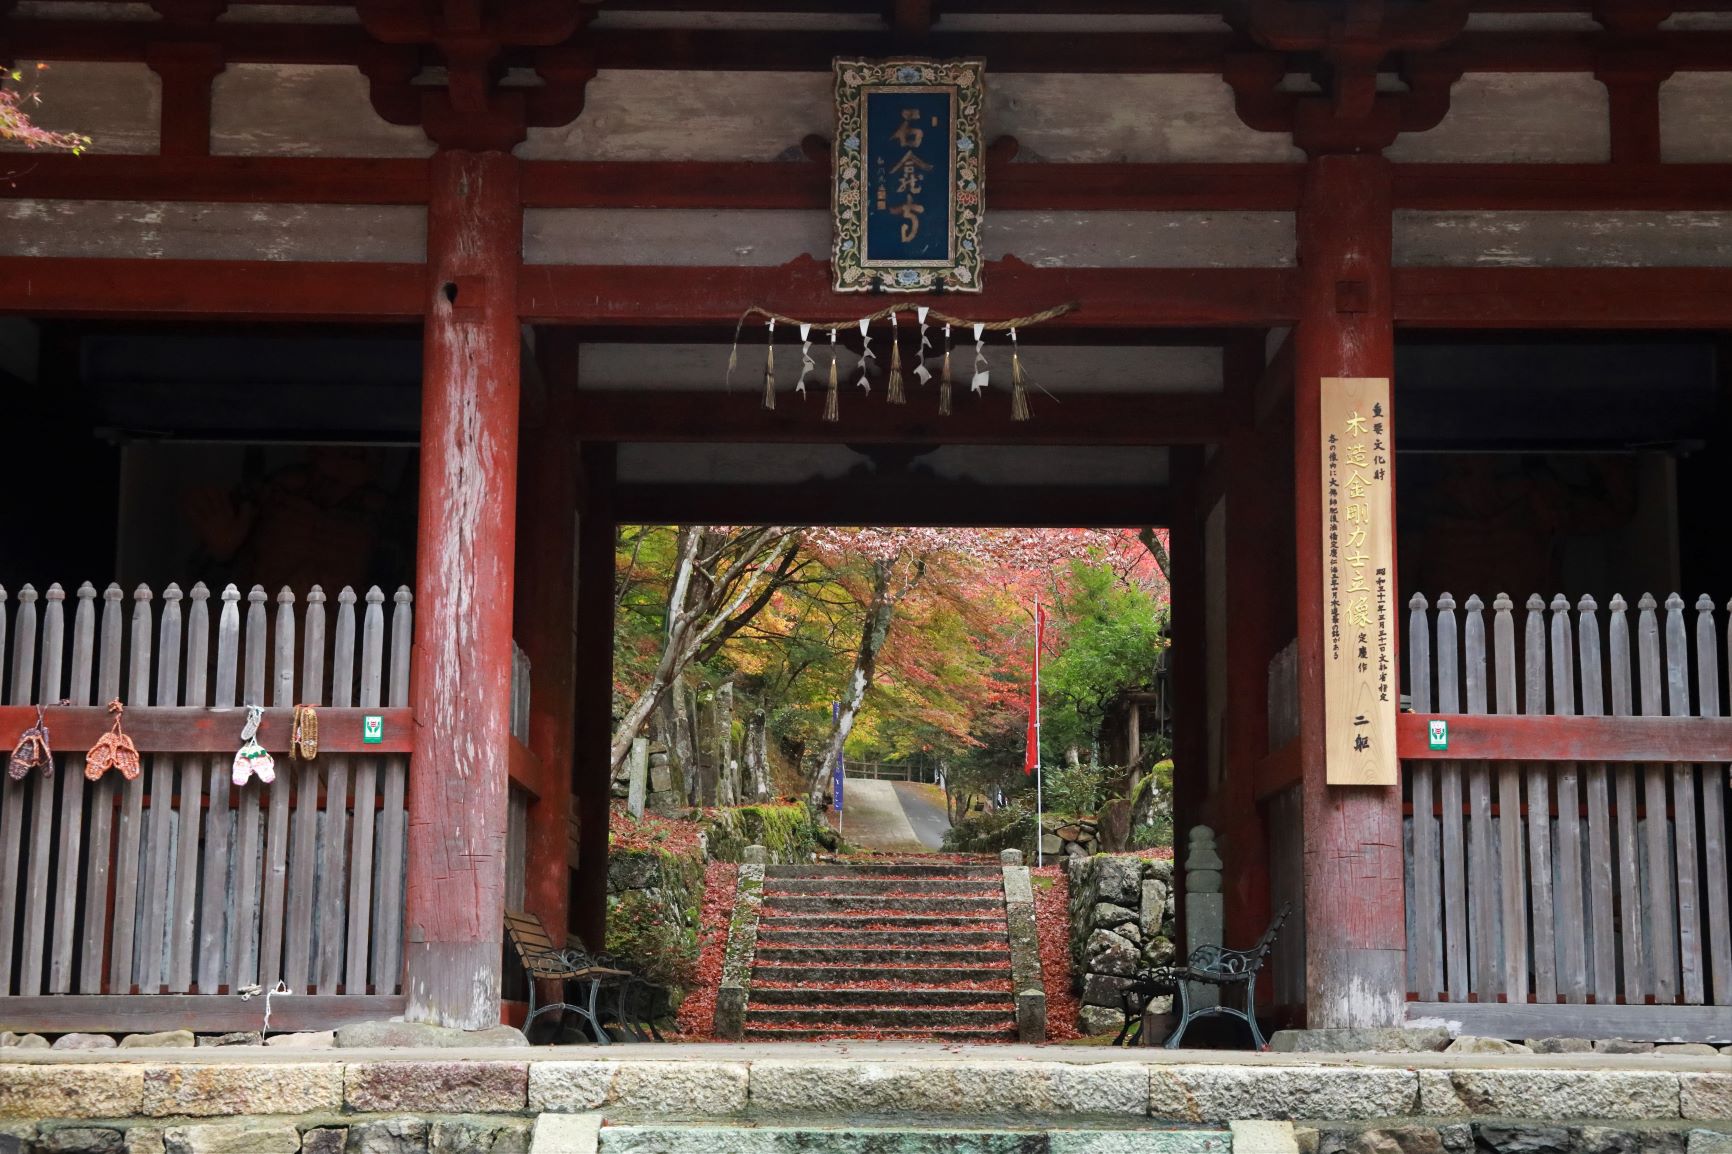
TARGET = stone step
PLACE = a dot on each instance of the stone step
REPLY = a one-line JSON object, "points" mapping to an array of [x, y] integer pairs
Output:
{"points": [[959, 1137], [770, 919], [773, 934], [774, 904], [874, 886], [877, 1034], [906, 977], [883, 869], [885, 955], [916, 996], [902, 1019]]}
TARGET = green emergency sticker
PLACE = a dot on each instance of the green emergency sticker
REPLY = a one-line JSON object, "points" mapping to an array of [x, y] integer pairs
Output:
{"points": [[372, 729]]}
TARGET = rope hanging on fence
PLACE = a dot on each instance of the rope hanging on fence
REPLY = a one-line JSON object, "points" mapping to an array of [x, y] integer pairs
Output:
{"points": [[895, 391], [32, 751], [304, 735], [113, 750]]}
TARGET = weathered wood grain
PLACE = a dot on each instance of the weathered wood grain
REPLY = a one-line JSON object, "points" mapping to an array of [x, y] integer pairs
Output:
{"points": [[361, 873], [1600, 895], [37, 902], [1539, 813], [183, 922], [154, 894], [1663, 939], [1455, 897], [1550, 739], [91, 966], [1638, 981], [129, 829], [1483, 886], [276, 876], [1644, 1023], [304, 825], [216, 926], [334, 874], [1512, 881], [1568, 900], [388, 928], [1425, 958], [72, 791], [1692, 980], [1714, 796], [14, 795], [125, 1014], [244, 913]]}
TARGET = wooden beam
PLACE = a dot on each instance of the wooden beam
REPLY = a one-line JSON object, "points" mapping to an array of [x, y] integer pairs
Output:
{"points": [[222, 179], [1563, 187], [206, 1013], [1108, 297], [1531, 1020], [165, 729], [210, 289], [526, 772], [1588, 298], [1274, 389], [1073, 419], [1493, 737], [899, 502], [1277, 770]]}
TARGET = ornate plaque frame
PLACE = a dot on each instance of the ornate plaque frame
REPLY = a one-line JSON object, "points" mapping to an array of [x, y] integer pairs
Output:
{"points": [[893, 241]]}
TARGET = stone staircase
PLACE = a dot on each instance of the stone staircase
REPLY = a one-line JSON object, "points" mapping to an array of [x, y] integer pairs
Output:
{"points": [[906, 950]]}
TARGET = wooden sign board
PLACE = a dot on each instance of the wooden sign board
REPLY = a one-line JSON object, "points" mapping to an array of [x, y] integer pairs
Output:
{"points": [[910, 175], [1361, 682]]}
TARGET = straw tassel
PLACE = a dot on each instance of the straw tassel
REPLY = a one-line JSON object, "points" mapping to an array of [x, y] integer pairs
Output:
{"points": [[1018, 394], [832, 399], [770, 368], [894, 388], [944, 378]]}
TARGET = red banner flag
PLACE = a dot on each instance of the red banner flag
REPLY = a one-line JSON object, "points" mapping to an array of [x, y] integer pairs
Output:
{"points": [[1031, 759]]}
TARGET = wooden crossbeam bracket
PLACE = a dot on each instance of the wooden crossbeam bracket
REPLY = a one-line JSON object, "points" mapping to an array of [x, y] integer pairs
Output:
{"points": [[172, 729]]}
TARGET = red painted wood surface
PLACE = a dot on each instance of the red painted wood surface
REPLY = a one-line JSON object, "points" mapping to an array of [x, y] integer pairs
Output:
{"points": [[1546, 738], [214, 289], [462, 655], [895, 501], [1073, 419], [1584, 298], [162, 729], [1115, 297], [546, 614], [1354, 915]]}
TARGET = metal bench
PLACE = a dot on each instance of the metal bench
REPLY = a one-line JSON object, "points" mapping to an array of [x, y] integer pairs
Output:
{"points": [[543, 961], [1208, 965]]}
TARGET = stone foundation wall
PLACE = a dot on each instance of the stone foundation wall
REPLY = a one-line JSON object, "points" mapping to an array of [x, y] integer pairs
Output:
{"points": [[654, 902], [1121, 919]]}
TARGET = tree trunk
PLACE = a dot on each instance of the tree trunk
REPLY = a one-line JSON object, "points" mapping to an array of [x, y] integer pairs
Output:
{"points": [[727, 765], [879, 611], [757, 758]]}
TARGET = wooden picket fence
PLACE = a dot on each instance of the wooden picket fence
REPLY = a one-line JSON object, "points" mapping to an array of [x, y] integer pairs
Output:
{"points": [[178, 882], [1566, 886]]}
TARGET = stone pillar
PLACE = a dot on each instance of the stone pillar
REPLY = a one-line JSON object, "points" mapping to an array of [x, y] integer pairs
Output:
{"points": [[1205, 908], [1355, 936], [464, 586]]}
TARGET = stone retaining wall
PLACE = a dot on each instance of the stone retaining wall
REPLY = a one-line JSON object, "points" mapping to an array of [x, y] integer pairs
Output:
{"points": [[386, 1103], [1121, 918]]}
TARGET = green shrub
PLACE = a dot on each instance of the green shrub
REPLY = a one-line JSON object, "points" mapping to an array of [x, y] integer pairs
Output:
{"points": [[1011, 827], [650, 937]]}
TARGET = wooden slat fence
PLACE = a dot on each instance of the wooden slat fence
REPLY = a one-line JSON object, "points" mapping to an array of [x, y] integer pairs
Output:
{"points": [[179, 882], [1569, 883]]}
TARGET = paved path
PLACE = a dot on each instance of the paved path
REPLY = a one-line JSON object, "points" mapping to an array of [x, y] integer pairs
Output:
{"points": [[873, 818], [928, 819]]}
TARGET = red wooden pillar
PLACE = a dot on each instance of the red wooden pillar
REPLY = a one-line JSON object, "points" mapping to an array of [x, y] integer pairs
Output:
{"points": [[591, 765], [462, 659], [1355, 965], [546, 608]]}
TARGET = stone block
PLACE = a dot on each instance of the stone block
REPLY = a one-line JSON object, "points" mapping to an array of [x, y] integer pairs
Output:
{"points": [[1525, 1139], [252, 1136], [163, 1040], [566, 1134], [92, 1091], [1469, 1044], [149, 1140], [1104, 990], [385, 1035], [1260, 1136], [1397, 1140], [1050, 843], [1525, 1093], [1031, 1016], [1618, 1140], [24, 1041], [1376, 1040], [435, 1087], [307, 1040], [1560, 1045], [1152, 906], [1119, 880], [1097, 1020], [949, 1087], [478, 1136], [241, 1088], [1705, 1095], [1195, 1093], [1108, 914], [1010, 857], [83, 1042], [676, 1089], [1686, 1049], [1709, 1142], [661, 777], [81, 1140], [324, 1140], [1621, 1046], [389, 1136], [235, 1038]]}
